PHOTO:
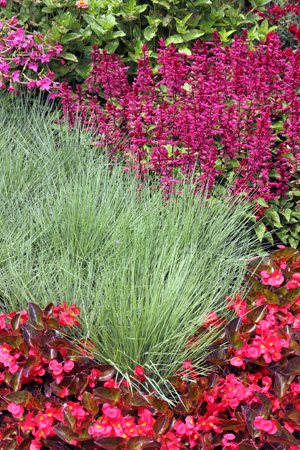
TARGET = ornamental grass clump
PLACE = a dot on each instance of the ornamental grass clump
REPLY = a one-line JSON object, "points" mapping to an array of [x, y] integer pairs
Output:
{"points": [[78, 229]]}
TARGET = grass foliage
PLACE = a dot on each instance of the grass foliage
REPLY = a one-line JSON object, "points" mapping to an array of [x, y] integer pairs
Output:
{"points": [[143, 272]]}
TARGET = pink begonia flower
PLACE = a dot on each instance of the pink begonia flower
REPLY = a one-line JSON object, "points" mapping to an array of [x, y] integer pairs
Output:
{"points": [[269, 426], [111, 411], [16, 410], [68, 366], [274, 279], [56, 367], [237, 361], [82, 4], [3, 3]]}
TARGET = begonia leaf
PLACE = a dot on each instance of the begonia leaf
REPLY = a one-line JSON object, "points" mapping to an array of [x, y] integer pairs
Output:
{"points": [[69, 419], [250, 415], [88, 443], [178, 383], [233, 425], [194, 393], [293, 367], [283, 437], [31, 362], [58, 343], [136, 401], [293, 294], [36, 315], [25, 444], [11, 445], [233, 325], [9, 431], [141, 442], [216, 356], [48, 310], [283, 254], [258, 269], [79, 384], [254, 283], [65, 433], [15, 382], [295, 347], [12, 341], [281, 385], [235, 340], [294, 415], [20, 397], [246, 446], [160, 425], [265, 401], [111, 443], [89, 403], [52, 323], [16, 322], [246, 329], [271, 297], [257, 314], [107, 394], [159, 405], [107, 372]]}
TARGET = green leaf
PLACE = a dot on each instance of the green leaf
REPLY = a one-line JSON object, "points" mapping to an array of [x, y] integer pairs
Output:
{"points": [[112, 46], [192, 35], [150, 32], [98, 30], [260, 230], [68, 56], [162, 3], [69, 37], [273, 216], [261, 201], [287, 213], [293, 242], [176, 39], [108, 22]]}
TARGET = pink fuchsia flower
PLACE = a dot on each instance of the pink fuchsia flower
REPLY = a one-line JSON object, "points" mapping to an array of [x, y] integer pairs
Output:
{"points": [[16, 410], [269, 426], [82, 4], [274, 279]]}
